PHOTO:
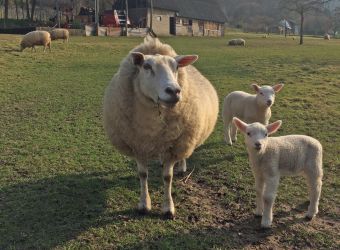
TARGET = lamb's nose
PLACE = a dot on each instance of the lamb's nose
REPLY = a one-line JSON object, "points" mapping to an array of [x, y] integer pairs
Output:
{"points": [[172, 91], [257, 144], [269, 102]]}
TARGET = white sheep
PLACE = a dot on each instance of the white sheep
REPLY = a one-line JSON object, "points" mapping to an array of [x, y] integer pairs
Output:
{"points": [[60, 34], [33, 38], [273, 157], [158, 106], [250, 108], [237, 42], [327, 37]]}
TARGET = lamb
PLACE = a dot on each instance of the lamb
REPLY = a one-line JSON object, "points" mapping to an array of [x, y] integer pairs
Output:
{"points": [[237, 42], [327, 37], [60, 34], [37, 37], [158, 107], [272, 157], [250, 108]]}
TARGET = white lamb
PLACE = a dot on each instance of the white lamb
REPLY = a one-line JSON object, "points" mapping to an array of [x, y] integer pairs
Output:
{"points": [[250, 108], [60, 34], [159, 107], [272, 157], [237, 42]]}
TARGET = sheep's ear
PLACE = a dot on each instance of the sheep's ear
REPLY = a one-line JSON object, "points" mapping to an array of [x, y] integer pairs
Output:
{"points": [[273, 127], [277, 87], [255, 87], [137, 58], [242, 126], [183, 61]]}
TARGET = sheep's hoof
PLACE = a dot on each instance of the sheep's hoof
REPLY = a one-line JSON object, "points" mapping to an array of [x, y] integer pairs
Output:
{"points": [[265, 227], [169, 216], [309, 217], [143, 211], [258, 215]]}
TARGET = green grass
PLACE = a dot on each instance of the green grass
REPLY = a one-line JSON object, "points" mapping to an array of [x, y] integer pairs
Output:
{"points": [[63, 186]]}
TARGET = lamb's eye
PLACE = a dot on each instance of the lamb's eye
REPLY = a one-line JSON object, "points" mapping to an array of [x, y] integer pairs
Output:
{"points": [[261, 93], [265, 134], [147, 66], [248, 133]]}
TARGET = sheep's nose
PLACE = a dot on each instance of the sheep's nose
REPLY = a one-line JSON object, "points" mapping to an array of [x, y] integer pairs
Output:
{"points": [[258, 145], [172, 91], [269, 102]]}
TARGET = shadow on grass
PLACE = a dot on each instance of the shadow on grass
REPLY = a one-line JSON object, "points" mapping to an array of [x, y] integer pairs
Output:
{"points": [[48, 212], [238, 234]]}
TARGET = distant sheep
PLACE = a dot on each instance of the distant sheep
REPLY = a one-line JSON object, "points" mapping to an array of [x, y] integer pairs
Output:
{"points": [[33, 38], [237, 42], [327, 37], [250, 108], [273, 157], [60, 34], [159, 107]]}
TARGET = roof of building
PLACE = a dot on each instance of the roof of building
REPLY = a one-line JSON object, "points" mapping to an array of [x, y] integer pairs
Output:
{"points": [[195, 9]]}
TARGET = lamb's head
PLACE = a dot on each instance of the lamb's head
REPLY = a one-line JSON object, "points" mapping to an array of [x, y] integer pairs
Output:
{"points": [[256, 134], [265, 95], [22, 45], [158, 76]]}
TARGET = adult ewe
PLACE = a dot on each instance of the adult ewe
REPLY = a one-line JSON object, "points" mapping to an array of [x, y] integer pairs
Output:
{"points": [[60, 34], [157, 106], [237, 42], [33, 38]]}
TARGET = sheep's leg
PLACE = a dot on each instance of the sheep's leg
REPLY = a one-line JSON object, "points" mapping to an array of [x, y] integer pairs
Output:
{"points": [[168, 205], [49, 47], [270, 188], [259, 185], [233, 133], [182, 166], [144, 204], [314, 184]]}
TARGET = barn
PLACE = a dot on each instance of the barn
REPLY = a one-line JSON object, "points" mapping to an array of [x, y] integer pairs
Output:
{"points": [[176, 17]]}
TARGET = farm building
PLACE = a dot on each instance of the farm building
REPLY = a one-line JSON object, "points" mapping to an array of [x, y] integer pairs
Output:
{"points": [[176, 17]]}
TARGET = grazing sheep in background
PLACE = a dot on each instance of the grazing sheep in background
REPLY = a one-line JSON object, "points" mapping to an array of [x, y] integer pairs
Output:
{"points": [[159, 107], [272, 157], [237, 42], [60, 34], [33, 38], [250, 108], [327, 37]]}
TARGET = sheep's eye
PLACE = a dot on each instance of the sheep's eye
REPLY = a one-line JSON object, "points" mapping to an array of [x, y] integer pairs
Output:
{"points": [[265, 134], [248, 133], [147, 66], [261, 93]]}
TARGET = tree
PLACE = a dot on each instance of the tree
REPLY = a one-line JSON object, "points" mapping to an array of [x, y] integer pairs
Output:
{"points": [[33, 4], [6, 9], [301, 7], [336, 20]]}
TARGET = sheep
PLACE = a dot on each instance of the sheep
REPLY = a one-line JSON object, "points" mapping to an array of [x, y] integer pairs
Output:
{"points": [[250, 108], [60, 34], [158, 107], [236, 42], [327, 37], [272, 157], [37, 37]]}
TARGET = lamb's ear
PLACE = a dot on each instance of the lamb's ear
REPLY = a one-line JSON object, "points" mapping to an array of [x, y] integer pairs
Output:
{"points": [[183, 61], [255, 87], [278, 87], [273, 127], [242, 126], [137, 58]]}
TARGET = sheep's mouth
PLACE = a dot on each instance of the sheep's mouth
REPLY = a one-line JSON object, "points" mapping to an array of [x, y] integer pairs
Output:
{"points": [[168, 104]]}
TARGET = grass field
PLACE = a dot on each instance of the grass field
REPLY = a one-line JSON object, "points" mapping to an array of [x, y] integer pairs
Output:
{"points": [[63, 186]]}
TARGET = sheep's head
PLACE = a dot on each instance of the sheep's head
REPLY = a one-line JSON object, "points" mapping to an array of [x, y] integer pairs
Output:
{"points": [[256, 134], [158, 76], [22, 46], [265, 95]]}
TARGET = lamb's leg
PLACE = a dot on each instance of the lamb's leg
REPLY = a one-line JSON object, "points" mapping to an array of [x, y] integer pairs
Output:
{"points": [[314, 184], [233, 133], [259, 185], [270, 188], [144, 204], [226, 124], [168, 205], [49, 47], [182, 166]]}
